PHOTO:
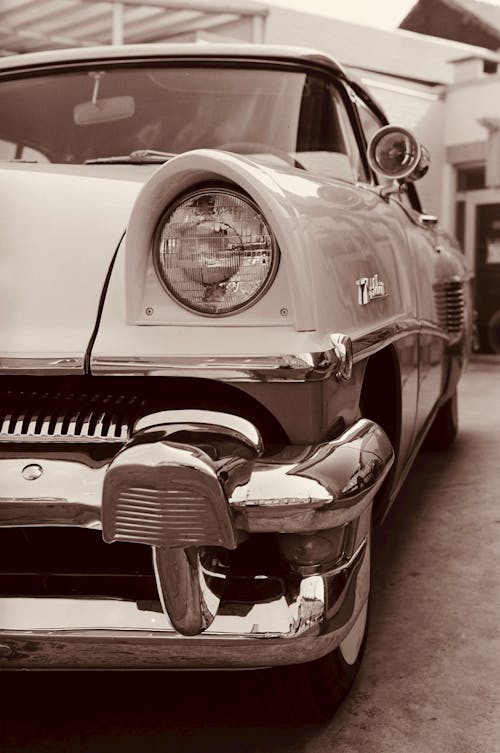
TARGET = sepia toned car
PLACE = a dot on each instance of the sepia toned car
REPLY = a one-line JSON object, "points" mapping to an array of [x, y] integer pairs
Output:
{"points": [[227, 327]]}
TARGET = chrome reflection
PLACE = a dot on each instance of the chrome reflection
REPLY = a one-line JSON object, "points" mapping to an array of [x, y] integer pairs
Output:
{"points": [[295, 488], [298, 367], [203, 421], [184, 588], [305, 620], [68, 493], [342, 345], [41, 365], [165, 494], [177, 497], [320, 486]]}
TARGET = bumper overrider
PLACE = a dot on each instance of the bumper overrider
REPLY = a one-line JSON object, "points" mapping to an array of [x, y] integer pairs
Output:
{"points": [[190, 484]]}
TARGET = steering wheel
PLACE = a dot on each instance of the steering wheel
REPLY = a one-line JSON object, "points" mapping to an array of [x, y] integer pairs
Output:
{"points": [[257, 147]]}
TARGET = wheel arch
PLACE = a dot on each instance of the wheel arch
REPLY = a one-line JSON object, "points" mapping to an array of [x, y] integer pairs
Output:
{"points": [[381, 401]]}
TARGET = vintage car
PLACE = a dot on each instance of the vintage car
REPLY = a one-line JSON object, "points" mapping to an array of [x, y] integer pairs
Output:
{"points": [[227, 326]]}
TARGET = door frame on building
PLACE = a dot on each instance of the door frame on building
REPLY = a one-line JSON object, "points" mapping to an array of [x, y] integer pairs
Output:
{"points": [[474, 199], [489, 331]]}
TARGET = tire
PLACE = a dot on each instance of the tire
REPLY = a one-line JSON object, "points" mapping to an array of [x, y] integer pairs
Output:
{"points": [[317, 688], [444, 428], [494, 333]]}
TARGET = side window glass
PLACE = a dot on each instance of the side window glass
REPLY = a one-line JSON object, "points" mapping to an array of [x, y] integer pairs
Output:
{"points": [[354, 153], [326, 143], [370, 124]]}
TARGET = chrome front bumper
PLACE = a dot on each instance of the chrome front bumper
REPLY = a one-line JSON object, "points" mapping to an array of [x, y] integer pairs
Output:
{"points": [[114, 634], [242, 491]]}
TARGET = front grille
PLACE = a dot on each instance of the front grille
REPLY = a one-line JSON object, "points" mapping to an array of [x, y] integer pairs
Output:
{"points": [[101, 410], [88, 416], [450, 306]]}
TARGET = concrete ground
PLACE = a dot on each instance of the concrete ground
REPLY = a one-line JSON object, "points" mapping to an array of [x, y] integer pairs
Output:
{"points": [[430, 681]]}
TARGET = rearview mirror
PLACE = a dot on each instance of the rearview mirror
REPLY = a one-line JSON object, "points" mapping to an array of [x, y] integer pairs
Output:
{"points": [[103, 110], [394, 152]]}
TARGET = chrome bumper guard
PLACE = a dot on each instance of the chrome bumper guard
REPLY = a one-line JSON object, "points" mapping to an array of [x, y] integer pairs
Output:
{"points": [[184, 481]]}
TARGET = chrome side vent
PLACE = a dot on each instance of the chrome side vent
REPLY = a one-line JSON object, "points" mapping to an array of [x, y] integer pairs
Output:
{"points": [[450, 306], [35, 416]]}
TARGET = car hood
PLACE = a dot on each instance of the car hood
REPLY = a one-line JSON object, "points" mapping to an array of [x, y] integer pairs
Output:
{"points": [[59, 229]]}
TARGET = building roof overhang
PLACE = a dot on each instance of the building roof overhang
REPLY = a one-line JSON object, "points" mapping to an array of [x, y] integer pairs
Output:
{"points": [[32, 25]]}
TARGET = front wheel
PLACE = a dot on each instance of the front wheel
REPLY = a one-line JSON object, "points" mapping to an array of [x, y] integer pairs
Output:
{"points": [[444, 428], [317, 688]]}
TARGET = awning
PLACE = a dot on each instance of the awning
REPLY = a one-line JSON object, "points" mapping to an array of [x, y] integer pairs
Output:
{"points": [[32, 25]]}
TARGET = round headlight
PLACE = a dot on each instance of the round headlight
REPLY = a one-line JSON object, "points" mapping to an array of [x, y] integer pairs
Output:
{"points": [[214, 252]]}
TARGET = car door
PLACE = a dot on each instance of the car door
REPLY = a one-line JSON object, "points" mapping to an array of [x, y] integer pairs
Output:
{"points": [[428, 254]]}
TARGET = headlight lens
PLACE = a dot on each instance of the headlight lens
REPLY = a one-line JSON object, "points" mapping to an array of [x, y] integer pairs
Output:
{"points": [[214, 252]]}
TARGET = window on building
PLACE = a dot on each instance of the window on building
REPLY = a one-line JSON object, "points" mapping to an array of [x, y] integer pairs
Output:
{"points": [[471, 177], [460, 222]]}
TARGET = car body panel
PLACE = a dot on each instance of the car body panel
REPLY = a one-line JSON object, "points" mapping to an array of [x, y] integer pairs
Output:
{"points": [[49, 303], [174, 468]]}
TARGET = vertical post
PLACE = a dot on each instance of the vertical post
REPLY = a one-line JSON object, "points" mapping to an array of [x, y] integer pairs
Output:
{"points": [[492, 125], [117, 24], [258, 29], [448, 201], [493, 160]]}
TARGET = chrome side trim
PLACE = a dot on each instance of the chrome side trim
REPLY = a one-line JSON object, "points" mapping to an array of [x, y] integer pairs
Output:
{"points": [[298, 367], [367, 344], [337, 361], [37, 365]]}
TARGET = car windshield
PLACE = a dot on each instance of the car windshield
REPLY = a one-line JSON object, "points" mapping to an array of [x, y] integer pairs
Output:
{"points": [[77, 116]]}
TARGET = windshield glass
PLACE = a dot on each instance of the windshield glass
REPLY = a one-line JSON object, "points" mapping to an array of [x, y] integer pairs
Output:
{"points": [[71, 117]]}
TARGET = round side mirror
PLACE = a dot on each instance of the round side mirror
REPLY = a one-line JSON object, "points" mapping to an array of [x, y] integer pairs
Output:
{"points": [[395, 153]]}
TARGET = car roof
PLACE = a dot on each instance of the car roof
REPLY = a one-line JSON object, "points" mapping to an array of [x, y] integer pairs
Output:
{"points": [[166, 50], [192, 51]]}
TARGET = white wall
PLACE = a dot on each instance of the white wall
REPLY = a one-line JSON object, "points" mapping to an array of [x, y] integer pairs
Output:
{"points": [[465, 103]]}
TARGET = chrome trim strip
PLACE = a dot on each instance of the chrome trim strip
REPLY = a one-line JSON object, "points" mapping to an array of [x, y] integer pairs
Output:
{"points": [[207, 420], [298, 367], [37, 365], [366, 345]]}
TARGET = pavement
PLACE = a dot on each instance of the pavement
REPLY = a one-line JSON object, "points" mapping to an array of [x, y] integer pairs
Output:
{"points": [[430, 681]]}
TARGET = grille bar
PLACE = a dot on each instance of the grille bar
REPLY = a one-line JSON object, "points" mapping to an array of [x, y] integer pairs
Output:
{"points": [[450, 306], [37, 416]]}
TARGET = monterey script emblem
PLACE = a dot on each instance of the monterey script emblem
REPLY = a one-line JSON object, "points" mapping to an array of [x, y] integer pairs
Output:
{"points": [[370, 288]]}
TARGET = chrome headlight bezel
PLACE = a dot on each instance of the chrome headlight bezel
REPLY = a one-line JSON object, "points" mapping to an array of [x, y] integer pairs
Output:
{"points": [[198, 192]]}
